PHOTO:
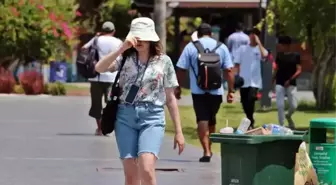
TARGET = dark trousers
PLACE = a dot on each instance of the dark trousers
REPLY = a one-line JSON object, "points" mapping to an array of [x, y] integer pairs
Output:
{"points": [[98, 90], [248, 97]]}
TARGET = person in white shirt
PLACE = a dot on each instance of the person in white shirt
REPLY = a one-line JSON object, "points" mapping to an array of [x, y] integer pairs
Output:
{"points": [[194, 36], [100, 85], [237, 39], [247, 62]]}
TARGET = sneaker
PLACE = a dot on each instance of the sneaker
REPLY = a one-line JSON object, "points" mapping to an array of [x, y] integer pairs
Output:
{"points": [[291, 123]]}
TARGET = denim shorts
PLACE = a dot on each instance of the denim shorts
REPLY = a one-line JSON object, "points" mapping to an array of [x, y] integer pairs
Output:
{"points": [[139, 129]]}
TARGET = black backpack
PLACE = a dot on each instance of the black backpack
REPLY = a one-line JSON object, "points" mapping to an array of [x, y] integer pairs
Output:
{"points": [[209, 76], [87, 59]]}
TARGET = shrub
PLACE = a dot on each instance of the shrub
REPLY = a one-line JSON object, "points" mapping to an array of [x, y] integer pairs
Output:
{"points": [[18, 89], [7, 81], [37, 28], [56, 89], [46, 88], [32, 82]]}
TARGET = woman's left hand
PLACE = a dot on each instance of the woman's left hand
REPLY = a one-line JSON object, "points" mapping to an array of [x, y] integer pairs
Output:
{"points": [[179, 141]]}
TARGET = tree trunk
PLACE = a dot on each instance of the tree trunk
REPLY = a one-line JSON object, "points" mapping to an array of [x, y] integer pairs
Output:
{"points": [[160, 20], [324, 75]]}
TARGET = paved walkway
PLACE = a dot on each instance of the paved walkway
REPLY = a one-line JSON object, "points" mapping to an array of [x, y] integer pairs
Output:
{"points": [[49, 141]]}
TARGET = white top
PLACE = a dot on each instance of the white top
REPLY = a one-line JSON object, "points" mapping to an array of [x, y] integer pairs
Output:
{"points": [[105, 44], [249, 59]]}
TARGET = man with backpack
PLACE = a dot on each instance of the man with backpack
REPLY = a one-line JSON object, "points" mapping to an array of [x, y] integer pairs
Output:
{"points": [[100, 83], [205, 59]]}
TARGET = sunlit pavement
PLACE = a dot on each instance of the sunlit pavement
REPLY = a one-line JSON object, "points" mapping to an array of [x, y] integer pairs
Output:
{"points": [[49, 141]]}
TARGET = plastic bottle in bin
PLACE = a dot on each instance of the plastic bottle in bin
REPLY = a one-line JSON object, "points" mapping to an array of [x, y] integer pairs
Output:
{"points": [[278, 129], [243, 127]]}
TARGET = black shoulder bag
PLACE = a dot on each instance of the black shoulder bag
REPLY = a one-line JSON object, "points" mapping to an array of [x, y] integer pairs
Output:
{"points": [[110, 111]]}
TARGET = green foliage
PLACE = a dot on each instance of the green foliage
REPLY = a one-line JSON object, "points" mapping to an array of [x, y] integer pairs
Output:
{"points": [[55, 89], [296, 15], [117, 12], [94, 14], [18, 89], [46, 88], [269, 18], [189, 24], [36, 28]]}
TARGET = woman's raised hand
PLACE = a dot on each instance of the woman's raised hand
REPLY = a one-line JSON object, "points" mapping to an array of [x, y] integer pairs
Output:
{"points": [[129, 42]]}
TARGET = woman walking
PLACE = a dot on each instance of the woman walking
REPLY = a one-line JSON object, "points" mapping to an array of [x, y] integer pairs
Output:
{"points": [[148, 81]]}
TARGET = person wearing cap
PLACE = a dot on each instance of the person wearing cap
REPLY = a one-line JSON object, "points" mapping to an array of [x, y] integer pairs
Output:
{"points": [[148, 81], [100, 85], [247, 60], [288, 68], [206, 103]]}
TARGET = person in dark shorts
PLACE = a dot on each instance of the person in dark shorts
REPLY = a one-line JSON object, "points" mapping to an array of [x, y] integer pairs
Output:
{"points": [[287, 70], [247, 60], [206, 107], [100, 85], [206, 103]]}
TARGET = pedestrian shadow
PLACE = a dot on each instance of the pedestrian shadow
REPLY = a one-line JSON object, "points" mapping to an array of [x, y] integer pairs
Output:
{"points": [[75, 134], [178, 160], [106, 169]]}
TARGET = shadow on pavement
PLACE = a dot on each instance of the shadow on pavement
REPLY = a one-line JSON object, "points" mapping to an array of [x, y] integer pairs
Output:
{"points": [[75, 134], [178, 160]]}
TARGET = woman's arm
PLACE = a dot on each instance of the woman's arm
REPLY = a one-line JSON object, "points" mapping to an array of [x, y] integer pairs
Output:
{"points": [[173, 109], [108, 62]]}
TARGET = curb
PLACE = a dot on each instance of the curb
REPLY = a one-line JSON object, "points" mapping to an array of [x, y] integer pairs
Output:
{"points": [[23, 95]]}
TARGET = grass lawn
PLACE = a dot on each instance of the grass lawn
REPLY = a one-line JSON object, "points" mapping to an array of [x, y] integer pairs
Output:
{"points": [[76, 90], [185, 92], [233, 113], [72, 87]]}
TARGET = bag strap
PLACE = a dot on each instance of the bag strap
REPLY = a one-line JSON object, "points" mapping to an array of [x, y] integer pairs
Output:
{"points": [[95, 45], [95, 40], [219, 44], [199, 46], [116, 80]]}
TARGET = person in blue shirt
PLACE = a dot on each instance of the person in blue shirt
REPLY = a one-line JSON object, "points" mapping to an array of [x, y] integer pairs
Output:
{"points": [[206, 103], [237, 39]]}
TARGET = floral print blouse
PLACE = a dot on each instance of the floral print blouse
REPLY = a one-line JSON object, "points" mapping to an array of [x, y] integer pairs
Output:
{"points": [[152, 80]]}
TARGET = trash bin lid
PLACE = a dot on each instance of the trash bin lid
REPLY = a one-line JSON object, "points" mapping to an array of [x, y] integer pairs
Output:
{"points": [[253, 139], [323, 123]]}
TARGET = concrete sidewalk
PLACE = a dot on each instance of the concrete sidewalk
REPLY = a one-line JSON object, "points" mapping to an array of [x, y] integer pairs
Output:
{"points": [[50, 141]]}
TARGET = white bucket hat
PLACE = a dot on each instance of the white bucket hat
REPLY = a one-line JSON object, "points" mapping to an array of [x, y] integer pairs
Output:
{"points": [[144, 29]]}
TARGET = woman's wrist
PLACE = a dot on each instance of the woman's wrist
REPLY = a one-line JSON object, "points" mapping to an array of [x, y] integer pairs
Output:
{"points": [[178, 129], [121, 50]]}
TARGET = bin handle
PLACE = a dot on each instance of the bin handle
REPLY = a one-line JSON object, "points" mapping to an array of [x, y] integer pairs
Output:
{"points": [[305, 137]]}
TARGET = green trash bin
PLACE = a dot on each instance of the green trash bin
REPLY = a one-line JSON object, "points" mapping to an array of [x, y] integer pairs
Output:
{"points": [[322, 149], [257, 159]]}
